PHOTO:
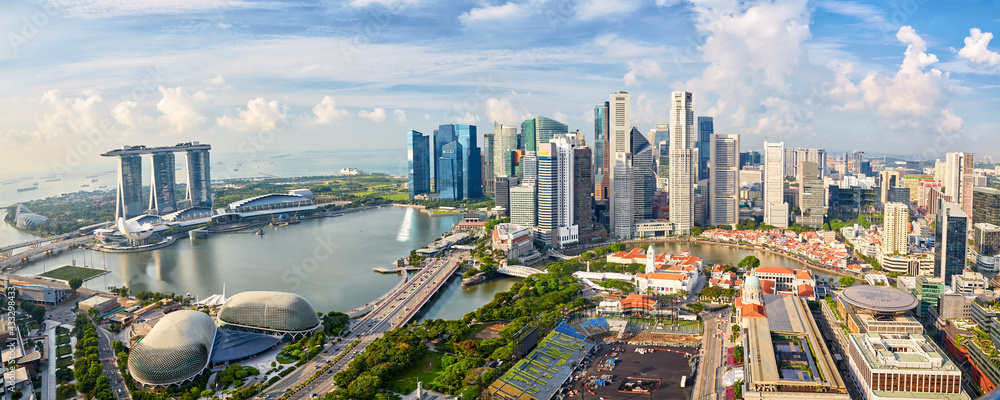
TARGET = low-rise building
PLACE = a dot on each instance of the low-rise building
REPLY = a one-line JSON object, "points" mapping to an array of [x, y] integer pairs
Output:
{"points": [[780, 280], [903, 366], [38, 290], [513, 240], [927, 291], [102, 304], [969, 282]]}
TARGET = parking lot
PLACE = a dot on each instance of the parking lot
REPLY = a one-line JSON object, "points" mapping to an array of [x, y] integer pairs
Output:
{"points": [[667, 366]]}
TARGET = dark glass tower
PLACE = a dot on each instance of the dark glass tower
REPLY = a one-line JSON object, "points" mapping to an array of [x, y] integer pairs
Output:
{"points": [[950, 240], [443, 135], [418, 159], [199, 189], [162, 198], [450, 171], [472, 175], [129, 202], [706, 127]]}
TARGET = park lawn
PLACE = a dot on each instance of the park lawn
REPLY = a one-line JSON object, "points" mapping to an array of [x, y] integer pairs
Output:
{"points": [[68, 272], [406, 383], [397, 197]]}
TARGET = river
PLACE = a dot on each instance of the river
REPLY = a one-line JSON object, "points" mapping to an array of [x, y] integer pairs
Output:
{"points": [[722, 254]]}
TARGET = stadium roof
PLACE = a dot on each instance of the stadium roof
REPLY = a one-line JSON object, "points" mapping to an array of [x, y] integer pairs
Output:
{"points": [[175, 351], [235, 345], [881, 299], [270, 311]]}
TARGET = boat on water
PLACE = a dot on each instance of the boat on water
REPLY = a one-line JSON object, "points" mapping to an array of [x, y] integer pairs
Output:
{"points": [[85, 185], [56, 179], [94, 180], [27, 189], [102, 187], [93, 176]]}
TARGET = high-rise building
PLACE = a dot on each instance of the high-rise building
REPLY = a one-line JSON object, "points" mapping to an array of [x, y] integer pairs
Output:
{"points": [[856, 158], [544, 130], [643, 178], [960, 178], [750, 158], [894, 234], [489, 180], [503, 184], [812, 195], [129, 203], [529, 169], [794, 156], [199, 188], [418, 159], [162, 199], [620, 122], [622, 202], [583, 188], [602, 147], [661, 135], [504, 145], [472, 175], [548, 186], [683, 162], [619, 133], [443, 135], [898, 195], [888, 179], [950, 239], [986, 205], [706, 127], [450, 172], [528, 140], [523, 206], [775, 208], [724, 180], [986, 238]]}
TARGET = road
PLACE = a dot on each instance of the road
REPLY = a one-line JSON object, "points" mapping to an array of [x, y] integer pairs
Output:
{"points": [[711, 359], [396, 311], [110, 364]]}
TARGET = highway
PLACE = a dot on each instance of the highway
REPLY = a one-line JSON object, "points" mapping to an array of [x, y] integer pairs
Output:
{"points": [[109, 364], [17, 258], [396, 311], [711, 359]]}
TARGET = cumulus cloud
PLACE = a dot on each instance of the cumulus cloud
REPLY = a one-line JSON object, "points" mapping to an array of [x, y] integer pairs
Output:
{"points": [[913, 97], [400, 115], [667, 3], [500, 109], [127, 113], [643, 69], [976, 49], [69, 115], [179, 110], [593, 9], [468, 119], [491, 13], [326, 112], [784, 118], [260, 115], [376, 115]]}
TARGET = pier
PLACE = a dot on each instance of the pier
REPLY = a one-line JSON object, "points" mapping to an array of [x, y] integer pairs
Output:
{"points": [[382, 270]]}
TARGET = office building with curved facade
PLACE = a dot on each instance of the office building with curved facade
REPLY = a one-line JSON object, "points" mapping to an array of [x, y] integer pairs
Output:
{"points": [[176, 350], [269, 312]]}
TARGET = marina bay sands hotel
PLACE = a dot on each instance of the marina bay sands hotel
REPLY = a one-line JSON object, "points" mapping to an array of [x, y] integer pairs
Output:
{"points": [[162, 197]]}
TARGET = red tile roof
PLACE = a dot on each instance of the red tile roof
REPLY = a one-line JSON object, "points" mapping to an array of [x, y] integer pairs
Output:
{"points": [[774, 270], [754, 310]]}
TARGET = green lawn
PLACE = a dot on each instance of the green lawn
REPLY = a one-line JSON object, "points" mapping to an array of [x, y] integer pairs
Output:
{"points": [[397, 197], [282, 359], [424, 370], [69, 271]]}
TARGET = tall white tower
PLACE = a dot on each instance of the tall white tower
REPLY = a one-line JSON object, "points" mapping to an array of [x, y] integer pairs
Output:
{"points": [[650, 260], [683, 162], [724, 179], [894, 228], [775, 208], [620, 140]]}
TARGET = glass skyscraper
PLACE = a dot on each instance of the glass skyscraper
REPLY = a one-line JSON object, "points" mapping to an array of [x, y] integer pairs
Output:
{"points": [[706, 127], [643, 180], [546, 129], [950, 239], [472, 174], [199, 189], [602, 174], [418, 158], [443, 135], [985, 205], [528, 135], [129, 202], [450, 172], [162, 198]]}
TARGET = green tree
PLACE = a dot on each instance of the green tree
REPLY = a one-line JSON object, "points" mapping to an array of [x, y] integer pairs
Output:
{"points": [[846, 281], [749, 262], [75, 283]]}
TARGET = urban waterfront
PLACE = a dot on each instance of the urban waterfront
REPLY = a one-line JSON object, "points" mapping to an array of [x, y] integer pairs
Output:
{"points": [[725, 254]]}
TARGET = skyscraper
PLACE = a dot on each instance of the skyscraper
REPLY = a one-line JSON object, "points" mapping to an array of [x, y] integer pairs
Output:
{"points": [[548, 187], [583, 188], [857, 157], [661, 135], [620, 122], [812, 195], [894, 234], [129, 198], [888, 179], [450, 171], [504, 145], [545, 130], [530, 141], [951, 230], [775, 208], [619, 131], [199, 188], [622, 202], [706, 127], [643, 178], [472, 175], [503, 184], [523, 206], [724, 181], [986, 205], [443, 135], [683, 162], [602, 147], [418, 159], [488, 176], [162, 198]]}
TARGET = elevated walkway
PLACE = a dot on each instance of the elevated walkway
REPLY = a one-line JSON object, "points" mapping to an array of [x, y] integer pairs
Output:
{"points": [[519, 271]]}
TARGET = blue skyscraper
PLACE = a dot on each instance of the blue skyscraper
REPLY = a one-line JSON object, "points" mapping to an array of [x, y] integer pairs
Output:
{"points": [[450, 176], [443, 135], [602, 174], [706, 127], [418, 159], [472, 164]]}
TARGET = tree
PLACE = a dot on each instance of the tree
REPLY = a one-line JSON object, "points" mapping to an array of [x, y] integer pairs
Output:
{"points": [[75, 283], [749, 262], [846, 281]]}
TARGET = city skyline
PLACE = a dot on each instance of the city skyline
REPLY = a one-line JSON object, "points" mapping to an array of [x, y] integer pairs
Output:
{"points": [[249, 72]]}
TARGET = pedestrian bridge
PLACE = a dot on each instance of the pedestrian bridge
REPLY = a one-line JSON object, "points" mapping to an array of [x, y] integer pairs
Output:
{"points": [[561, 256], [519, 271]]}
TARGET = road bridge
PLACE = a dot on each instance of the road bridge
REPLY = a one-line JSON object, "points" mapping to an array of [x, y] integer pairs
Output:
{"points": [[8, 251], [519, 271], [25, 256]]}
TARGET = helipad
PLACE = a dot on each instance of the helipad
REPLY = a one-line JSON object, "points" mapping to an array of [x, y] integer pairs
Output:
{"points": [[880, 299]]}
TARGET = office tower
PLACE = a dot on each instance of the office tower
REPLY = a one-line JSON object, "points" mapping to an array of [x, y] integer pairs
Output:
{"points": [[866, 168], [162, 199], [583, 188], [472, 175], [547, 184], [706, 127], [986, 238], [857, 158], [622, 202], [643, 177], [129, 197], [700, 203], [663, 160], [503, 184], [450, 172], [894, 233], [199, 188], [619, 131], [888, 179], [602, 160], [528, 140], [950, 239], [523, 207], [529, 169], [724, 180], [794, 156], [959, 179], [775, 208], [489, 180], [898, 195], [504, 145], [620, 122], [812, 195], [443, 135], [418, 159], [661, 135], [986, 205], [544, 129], [750, 158], [683, 162]]}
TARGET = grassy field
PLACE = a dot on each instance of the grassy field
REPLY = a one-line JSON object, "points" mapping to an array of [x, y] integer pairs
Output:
{"points": [[68, 272], [424, 370], [397, 197]]}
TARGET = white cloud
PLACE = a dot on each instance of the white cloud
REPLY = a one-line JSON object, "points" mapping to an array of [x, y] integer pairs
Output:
{"points": [[376, 115], [326, 112], [490, 13], [503, 111], [118, 8], [560, 116], [386, 3], [845, 93], [400, 115], [667, 3], [179, 110], [468, 118], [69, 116], [644, 69], [127, 113], [783, 118], [218, 80], [594, 9], [260, 115], [976, 49], [614, 46], [871, 15]]}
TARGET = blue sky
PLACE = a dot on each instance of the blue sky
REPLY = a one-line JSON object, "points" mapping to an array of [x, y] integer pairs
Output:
{"points": [[82, 76]]}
